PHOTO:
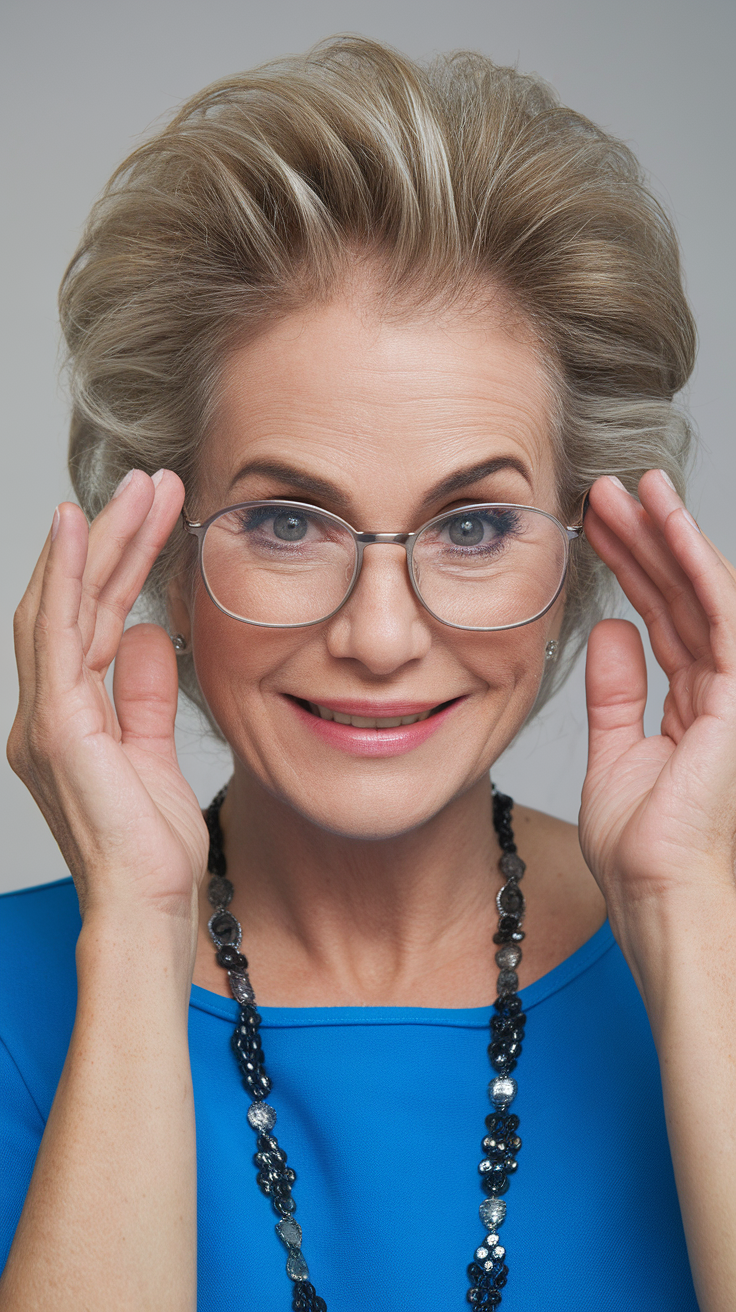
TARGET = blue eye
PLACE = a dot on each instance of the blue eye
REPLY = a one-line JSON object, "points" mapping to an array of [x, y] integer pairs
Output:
{"points": [[481, 528], [284, 525], [466, 530], [290, 526]]}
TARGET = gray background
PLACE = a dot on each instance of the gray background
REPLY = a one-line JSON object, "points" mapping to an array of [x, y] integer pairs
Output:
{"points": [[82, 80]]}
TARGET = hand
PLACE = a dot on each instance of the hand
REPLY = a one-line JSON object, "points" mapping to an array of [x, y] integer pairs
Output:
{"points": [[658, 815], [106, 776]]}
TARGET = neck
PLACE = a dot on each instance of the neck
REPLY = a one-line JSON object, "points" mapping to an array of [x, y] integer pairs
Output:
{"points": [[330, 920]]}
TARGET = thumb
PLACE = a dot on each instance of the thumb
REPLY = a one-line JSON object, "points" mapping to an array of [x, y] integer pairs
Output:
{"points": [[145, 689], [616, 690]]}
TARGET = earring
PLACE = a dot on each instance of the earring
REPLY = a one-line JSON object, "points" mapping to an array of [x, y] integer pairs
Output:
{"points": [[550, 651], [179, 643]]}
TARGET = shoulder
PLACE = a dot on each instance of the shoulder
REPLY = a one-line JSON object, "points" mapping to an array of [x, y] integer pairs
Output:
{"points": [[39, 928]]}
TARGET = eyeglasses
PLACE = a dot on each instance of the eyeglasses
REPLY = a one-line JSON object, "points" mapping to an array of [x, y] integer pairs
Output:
{"points": [[286, 565]]}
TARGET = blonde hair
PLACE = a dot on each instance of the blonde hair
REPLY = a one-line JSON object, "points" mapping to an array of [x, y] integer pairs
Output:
{"points": [[264, 187]]}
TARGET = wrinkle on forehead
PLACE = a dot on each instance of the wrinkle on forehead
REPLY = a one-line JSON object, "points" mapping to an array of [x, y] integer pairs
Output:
{"points": [[357, 395]]}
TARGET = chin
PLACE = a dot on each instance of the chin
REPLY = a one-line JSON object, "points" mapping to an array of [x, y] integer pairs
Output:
{"points": [[373, 809]]}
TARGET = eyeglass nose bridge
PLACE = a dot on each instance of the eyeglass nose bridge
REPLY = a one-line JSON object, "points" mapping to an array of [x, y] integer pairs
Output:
{"points": [[373, 539]]}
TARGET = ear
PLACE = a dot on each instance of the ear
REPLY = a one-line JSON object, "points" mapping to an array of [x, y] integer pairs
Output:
{"points": [[179, 607]]}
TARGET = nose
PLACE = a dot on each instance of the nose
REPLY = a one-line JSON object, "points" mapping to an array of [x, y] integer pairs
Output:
{"points": [[383, 625]]}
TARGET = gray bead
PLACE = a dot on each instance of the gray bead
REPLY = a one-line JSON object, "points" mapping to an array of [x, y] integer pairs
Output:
{"points": [[261, 1117], [296, 1265], [508, 982], [502, 1091], [492, 1212], [220, 891], [242, 988], [508, 957], [511, 865], [290, 1232]]}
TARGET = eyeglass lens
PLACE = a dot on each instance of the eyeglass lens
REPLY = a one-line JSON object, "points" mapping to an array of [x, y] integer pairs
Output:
{"points": [[487, 567]]}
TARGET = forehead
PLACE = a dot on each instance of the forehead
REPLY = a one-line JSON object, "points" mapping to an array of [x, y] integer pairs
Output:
{"points": [[371, 402]]}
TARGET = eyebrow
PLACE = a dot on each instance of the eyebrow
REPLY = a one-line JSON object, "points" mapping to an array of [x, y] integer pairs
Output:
{"points": [[327, 491]]}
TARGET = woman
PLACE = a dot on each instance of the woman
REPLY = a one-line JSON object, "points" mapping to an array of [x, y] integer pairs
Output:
{"points": [[336, 302]]}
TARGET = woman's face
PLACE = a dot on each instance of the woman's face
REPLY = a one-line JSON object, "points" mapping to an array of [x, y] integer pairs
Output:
{"points": [[386, 424]]}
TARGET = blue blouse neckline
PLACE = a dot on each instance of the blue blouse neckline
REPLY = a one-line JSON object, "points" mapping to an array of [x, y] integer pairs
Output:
{"points": [[459, 1017]]}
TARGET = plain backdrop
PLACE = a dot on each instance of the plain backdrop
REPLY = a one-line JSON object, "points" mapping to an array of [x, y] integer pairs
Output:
{"points": [[82, 81]]}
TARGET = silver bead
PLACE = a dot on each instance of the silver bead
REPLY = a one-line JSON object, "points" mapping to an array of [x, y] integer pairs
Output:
{"points": [[492, 1212], [508, 957], [261, 1117], [290, 1232], [233, 937], [502, 1091], [510, 900], [296, 1265], [481, 1253], [511, 865], [491, 1241], [499, 1252], [242, 988], [508, 982]]}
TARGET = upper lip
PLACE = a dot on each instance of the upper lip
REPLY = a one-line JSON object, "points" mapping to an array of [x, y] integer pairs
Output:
{"points": [[375, 710]]}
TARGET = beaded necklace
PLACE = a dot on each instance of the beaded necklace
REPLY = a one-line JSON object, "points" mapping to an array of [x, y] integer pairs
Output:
{"points": [[487, 1272]]}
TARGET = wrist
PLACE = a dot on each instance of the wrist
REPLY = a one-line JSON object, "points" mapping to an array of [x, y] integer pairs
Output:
{"points": [[673, 942], [131, 949]]}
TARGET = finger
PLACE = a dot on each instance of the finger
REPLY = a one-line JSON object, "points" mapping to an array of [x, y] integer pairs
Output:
{"points": [[660, 498], [145, 690], [667, 645], [711, 578], [118, 595], [645, 540], [615, 689], [109, 536], [58, 651], [712, 582], [24, 622]]}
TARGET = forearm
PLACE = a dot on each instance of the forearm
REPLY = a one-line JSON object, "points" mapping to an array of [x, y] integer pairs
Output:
{"points": [[110, 1216], [684, 959]]}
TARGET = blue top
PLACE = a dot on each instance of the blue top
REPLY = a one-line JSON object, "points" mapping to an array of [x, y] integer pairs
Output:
{"points": [[381, 1111]]}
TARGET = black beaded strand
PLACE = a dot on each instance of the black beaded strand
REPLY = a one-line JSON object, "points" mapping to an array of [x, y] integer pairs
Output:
{"points": [[488, 1272]]}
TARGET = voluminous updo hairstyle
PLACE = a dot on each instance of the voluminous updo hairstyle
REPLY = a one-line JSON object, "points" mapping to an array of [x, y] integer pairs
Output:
{"points": [[267, 187]]}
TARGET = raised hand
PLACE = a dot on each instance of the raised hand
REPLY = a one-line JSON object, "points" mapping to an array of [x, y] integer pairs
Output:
{"points": [[658, 816], [106, 775]]}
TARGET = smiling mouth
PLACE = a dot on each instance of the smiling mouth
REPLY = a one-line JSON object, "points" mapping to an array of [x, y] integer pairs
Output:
{"points": [[370, 721]]}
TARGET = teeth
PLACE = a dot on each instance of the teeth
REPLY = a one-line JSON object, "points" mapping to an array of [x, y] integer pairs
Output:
{"points": [[366, 721]]}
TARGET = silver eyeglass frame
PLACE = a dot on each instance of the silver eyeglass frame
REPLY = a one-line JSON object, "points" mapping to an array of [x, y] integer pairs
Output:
{"points": [[366, 539]]}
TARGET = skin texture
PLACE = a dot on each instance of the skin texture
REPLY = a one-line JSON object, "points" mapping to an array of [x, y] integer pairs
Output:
{"points": [[364, 880]]}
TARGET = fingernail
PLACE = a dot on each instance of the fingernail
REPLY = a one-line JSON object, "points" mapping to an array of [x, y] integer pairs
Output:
{"points": [[689, 518], [156, 478], [55, 523], [668, 480], [122, 484], [612, 479]]}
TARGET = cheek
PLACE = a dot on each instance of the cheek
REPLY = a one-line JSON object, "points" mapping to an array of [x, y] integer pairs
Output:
{"points": [[511, 660], [233, 660]]}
